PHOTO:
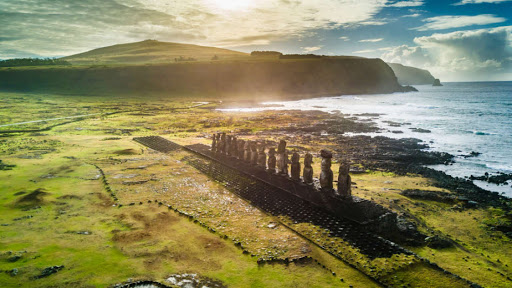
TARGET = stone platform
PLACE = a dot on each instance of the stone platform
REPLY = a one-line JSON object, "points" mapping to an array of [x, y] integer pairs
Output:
{"points": [[359, 210], [280, 196]]}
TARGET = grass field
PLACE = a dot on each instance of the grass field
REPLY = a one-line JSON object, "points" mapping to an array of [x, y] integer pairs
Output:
{"points": [[55, 208]]}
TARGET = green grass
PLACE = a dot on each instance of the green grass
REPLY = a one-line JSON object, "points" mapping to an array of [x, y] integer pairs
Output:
{"points": [[150, 242]]}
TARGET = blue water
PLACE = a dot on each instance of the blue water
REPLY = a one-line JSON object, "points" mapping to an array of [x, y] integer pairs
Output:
{"points": [[462, 117]]}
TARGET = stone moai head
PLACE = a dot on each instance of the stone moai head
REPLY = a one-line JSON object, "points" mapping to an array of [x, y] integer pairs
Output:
{"points": [[247, 145], [295, 157], [254, 146], [282, 146], [326, 159], [223, 136], [326, 174], [295, 172], [214, 142], [218, 137], [271, 152], [308, 160]]}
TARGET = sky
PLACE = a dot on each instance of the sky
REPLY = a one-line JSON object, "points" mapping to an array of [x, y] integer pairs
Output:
{"points": [[456, 40]]}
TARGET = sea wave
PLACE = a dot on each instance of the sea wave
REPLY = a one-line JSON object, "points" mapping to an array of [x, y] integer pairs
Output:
{"points": [[421, 106], [499, 167]]}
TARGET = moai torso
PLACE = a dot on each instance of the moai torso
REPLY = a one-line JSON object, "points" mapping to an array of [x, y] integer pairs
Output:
{"points": [[272, 160], [254, 153], [247, 151], [326, 176], [262, 157], [217, 137], [222, 143], [241, 151], [282, 159], [295, 169], [234, 147], [307, 173], [344, 180], [285, 161], [228, 145], [214, 143]]}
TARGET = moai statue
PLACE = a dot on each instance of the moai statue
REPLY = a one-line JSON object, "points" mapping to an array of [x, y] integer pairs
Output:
{"points": [[326, 174], [254, 153], [234, 147], [307, 172], [295, 169], [228, 145], [247, 151], [241, 151], [272, 160], [344, 181], [286, 161], [262, 157], [217, 148], [214, 143], [282, 161], [222, 147]]}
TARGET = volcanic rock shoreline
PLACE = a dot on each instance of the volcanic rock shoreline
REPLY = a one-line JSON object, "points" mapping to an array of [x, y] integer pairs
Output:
{"points": [[400, 156]]}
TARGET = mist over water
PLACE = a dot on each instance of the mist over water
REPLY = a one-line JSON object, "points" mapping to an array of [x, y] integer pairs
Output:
{"points": [[462, 118]]}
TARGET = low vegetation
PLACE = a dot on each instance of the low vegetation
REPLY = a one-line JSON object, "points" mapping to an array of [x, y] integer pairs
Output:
{"points": [[83, 205]]}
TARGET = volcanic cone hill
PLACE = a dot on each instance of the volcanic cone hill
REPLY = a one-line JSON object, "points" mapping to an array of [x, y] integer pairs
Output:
{"points": [[152, 67]]}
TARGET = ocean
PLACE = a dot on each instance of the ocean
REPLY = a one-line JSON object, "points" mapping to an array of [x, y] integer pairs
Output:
{"points": [[462, 117]]}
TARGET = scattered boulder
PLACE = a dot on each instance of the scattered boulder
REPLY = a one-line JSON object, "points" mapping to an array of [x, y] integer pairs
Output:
{"points": [[14, 258], [49, 271], [436, 242], [437, 196], [420, 130], [193, 281], [4, 166]]}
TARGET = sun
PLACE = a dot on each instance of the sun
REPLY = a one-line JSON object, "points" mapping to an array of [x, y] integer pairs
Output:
{"points": [[231, 5]]}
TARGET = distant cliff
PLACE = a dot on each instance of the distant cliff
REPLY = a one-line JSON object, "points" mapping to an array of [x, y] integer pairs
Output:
{"points": [[215, 79], [408, 75]]}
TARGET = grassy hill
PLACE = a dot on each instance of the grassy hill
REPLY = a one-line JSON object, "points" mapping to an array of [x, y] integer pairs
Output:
{"points": [[151, 67], [151, 51], [244, 79]]}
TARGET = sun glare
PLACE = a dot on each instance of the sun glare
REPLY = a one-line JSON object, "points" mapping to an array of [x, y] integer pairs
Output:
{"points": [[232, 5]]}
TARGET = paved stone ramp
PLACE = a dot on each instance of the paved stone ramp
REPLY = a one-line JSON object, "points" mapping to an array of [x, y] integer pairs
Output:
{"points": [[158, 143]]}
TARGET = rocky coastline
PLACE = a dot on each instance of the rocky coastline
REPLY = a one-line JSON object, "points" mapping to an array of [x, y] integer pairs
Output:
{"points": [[400, 156]]}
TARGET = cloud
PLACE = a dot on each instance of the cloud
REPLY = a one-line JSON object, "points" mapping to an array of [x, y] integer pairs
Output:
{"points": [[344, 38], [310, 49], [463, 2], [372, 40], [448, 22], [60, 27], [406, 4], [412, 15], [364, 51], [469, 54], [412, 56]]}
